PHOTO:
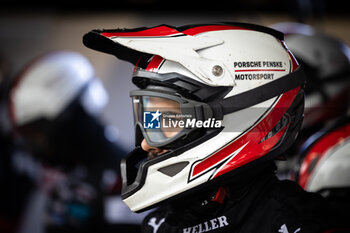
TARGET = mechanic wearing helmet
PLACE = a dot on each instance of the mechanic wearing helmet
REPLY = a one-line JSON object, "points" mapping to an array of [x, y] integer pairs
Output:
{"points": [[54, 105], [217, 103], [323, 164], [326, 63]]}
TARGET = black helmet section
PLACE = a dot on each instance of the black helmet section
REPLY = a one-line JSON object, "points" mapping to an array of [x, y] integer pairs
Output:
{"points": [[185, 86]]}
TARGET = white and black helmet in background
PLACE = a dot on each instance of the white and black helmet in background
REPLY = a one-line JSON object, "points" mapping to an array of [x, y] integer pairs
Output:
{"points": [[50, 98], [238, 80], [326, 63], [326, 54]]}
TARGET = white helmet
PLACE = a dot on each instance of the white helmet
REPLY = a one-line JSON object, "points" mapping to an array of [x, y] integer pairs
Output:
{"points": [[324, 164], [48, 85], [233, 95], [328, 56], [48, 100], [326, 62]]}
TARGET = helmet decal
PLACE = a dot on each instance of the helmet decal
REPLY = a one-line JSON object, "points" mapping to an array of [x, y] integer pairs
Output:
{"points": [[155, 63], [249, 146]]}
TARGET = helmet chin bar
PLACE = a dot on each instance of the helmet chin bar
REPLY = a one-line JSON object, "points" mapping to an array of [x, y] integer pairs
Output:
{"points": [[135, 165]]}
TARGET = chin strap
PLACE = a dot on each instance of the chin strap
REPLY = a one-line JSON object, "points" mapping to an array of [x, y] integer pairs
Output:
{"points": [[259, 94]]}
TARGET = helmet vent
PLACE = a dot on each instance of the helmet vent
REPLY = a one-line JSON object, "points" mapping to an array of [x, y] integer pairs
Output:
{"points": [[285, 120], [173, 169]]}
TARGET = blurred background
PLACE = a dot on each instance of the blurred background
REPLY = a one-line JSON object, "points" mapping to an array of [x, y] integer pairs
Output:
{"points": [[32, 28]]}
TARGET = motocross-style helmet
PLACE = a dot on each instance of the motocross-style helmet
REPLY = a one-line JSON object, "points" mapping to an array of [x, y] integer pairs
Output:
{"points": [[325, 160], [52, 100], [218, 98]]}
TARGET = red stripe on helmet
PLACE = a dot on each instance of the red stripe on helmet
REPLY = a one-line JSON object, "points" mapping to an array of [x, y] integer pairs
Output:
{"points": [[151, 32], [294, 61], [252, 151], [255, 148], [318, 151], [255, 70], [208, 28], [155, 63], [137, 64]]}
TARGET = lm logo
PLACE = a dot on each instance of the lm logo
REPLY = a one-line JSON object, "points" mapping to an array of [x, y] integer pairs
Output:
{"points": [[151, 120]]}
